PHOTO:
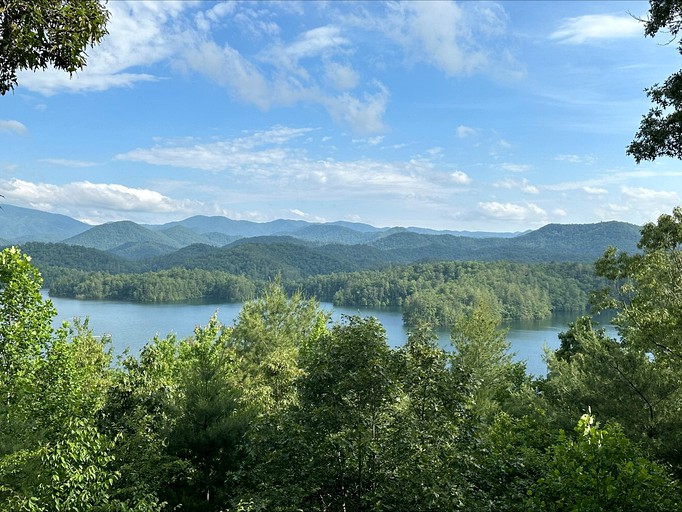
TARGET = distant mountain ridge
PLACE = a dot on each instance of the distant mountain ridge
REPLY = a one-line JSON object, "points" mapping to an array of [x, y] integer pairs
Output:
{"points": [[19, 225], [222, 243]]}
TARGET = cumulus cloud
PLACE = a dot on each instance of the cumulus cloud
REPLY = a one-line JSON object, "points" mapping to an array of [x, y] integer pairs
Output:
{"points": [[594, 190], [647, 194], [12, 126], [147, 40], [465, 131], [140, 34], [511, 211], [596, 27], [84, 199], [460, 178], [523, 185], [363, 115], [436, 32], [284, 83]]}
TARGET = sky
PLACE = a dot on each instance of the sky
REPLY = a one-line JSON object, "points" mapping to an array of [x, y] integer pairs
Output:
{"points": [[484, 116]]}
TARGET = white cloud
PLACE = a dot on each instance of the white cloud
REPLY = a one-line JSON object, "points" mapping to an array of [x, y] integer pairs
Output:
{"points": [[647, 194], [228, 68], [460, 178], [436, 32], [523, 185], [512, 211], [575, 159], [305, 216], [282, 82], [90, 200], [315, 42], [371, 141], [514, 167], [595, 27], [341, 76], [140, 34], [63, 162], [12, 126], [261, 165], [363, 115], [594, 190], [252, 151], [465, 131]]}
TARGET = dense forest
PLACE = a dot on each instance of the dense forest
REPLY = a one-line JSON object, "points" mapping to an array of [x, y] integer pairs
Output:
{"points": [[429, 292], [286, 410], [430, 277]]}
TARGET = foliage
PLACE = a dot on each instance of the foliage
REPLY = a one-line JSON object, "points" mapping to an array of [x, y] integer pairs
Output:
{"points": [[36, 34], [25, 329], [52, 456], [660, 130], [633, 379], [269, 335], [482, 355], [163, 286], [601, 470], [284, 412]]}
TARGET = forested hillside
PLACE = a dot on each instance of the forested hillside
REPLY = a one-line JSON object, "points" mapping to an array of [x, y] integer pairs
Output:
{"points": [[525, 277], [285, 410], [360, 244]]}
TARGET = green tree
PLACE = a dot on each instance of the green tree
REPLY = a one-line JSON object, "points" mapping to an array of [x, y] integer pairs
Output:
{"points": [[635, 378], [660, 130], [269, 335], [35, 34], [599, 469], [425, 447], [483, 358], [345, 392], [52, 454], [139, 412], [210, 424], [25, 321]]}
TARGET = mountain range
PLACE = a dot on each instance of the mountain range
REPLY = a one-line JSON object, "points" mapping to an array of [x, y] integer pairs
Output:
{"points": [[335, 245]]}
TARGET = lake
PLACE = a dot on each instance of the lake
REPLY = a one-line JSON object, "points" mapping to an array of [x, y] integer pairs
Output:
{"points": [[131, 325]]}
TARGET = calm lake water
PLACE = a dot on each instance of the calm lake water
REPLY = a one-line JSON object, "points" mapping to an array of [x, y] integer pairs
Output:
{"points": [[132, 325]]}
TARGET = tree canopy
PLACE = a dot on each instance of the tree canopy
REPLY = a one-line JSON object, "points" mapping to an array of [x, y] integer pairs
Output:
{"points": [[36, 34], [660, 130]]}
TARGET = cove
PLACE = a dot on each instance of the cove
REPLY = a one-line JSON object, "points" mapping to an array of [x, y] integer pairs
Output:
{"points": [[132, 325]]}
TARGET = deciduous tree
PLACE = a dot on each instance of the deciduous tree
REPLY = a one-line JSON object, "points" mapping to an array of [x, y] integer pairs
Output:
{"points": [[35, 34]]}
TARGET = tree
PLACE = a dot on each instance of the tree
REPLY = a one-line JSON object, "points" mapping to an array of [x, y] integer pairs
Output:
{"points": [[35, 34], [25, 318], [633, 379], [269, 337], [660, 130], [210, 424], [599, 469], [483, 359], [425, 446], [52, 454], [345, 392]]}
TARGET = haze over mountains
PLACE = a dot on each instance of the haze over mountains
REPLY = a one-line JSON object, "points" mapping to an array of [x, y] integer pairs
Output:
{"points": [[200, 236]]}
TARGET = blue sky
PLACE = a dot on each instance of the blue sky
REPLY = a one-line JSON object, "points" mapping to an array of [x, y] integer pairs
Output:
{"points": [[493, 116]]}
